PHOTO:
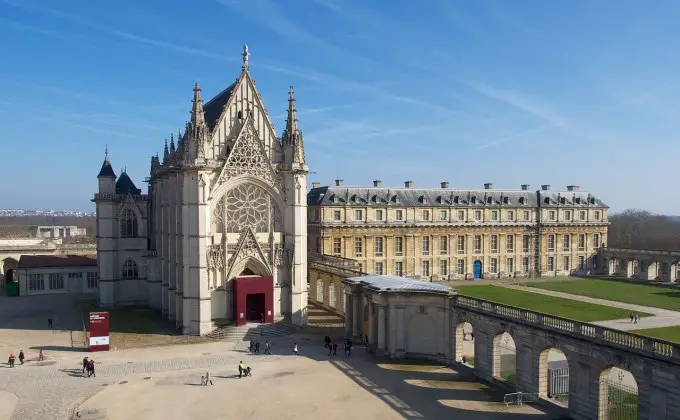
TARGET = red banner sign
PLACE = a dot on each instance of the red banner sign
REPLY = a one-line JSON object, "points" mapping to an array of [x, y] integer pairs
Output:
{"points": [[99, 331]]}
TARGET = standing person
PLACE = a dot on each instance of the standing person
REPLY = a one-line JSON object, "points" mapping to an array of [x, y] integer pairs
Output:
{"points": [[41, 357], [207, 378], [330, 349], [631, 316], [49, 323], [335, 349], [21, 357], [86, 363], [295, 349], [257, 347], [267, 347], [10, 360], [240, 369], [92, 368]]}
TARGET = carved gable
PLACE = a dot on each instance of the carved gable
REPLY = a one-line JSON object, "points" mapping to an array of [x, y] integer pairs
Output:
{"points": [[248, 247], [248, 156]]}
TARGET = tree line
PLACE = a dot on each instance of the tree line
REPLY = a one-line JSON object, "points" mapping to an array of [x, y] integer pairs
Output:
{"points": [[639, 229]]}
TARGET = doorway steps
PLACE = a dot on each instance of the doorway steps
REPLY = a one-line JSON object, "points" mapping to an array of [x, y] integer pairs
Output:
{"points": [[233, 333]]}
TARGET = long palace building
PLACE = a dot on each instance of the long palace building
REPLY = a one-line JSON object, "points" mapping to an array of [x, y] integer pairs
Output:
{"points": [[450, 234]]}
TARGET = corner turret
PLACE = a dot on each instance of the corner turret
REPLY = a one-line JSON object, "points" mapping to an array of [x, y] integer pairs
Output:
{"points": [[107, 177]]}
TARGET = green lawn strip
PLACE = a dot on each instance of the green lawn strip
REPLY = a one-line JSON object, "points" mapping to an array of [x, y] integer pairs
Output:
{"points": [[663, 333], [565, 308], [638, 294]]}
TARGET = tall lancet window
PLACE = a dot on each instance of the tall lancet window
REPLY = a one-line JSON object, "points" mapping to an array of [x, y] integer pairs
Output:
{"points": [[130, 270], [128, 224]]}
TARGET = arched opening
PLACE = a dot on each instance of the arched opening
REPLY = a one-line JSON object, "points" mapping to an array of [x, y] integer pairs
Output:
{"points": [[331, 295], [9, 267], [465, 344], [477, 269], [130, 270], [319, 291], [247, 272], [553, 376], [504, 358], [618, 395], [128, 224]]}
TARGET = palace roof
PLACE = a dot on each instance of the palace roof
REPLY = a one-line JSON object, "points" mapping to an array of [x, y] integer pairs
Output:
{"points": [[57, 261], [124, 185], [388, 283]]}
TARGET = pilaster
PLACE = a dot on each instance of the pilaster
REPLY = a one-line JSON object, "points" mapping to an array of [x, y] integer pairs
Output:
{"points": [[382, 325], [165, 248], [179, 264], [172, 246]]}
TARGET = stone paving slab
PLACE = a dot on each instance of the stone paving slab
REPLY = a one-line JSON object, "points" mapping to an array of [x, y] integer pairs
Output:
{"points": [[8, 402]]}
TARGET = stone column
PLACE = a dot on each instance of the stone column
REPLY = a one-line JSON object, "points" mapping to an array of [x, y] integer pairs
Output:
{"points": [[484, 354], [179, 264], [627, 267], [584, 391], [382, 325], [371, 331], [349, 313], [165, 303], [673, 272], [357, 317]]}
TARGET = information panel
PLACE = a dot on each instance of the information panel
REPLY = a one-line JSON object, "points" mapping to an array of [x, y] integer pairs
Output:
{"points": [[99, 331]]}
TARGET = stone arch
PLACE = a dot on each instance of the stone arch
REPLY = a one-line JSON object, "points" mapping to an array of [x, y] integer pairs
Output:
{"points": [[553, 374], [618, 394], [225, 187], [250, 263], [319, 290], [504, 357], [465, 338], [129, 205], [9, 268]]}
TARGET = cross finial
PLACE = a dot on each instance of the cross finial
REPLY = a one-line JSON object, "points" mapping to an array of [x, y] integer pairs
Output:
{"points": [[245, 55], [106, 152]]}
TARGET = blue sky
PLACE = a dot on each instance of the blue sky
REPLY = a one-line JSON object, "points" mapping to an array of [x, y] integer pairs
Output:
{"points": [[541, 92]]}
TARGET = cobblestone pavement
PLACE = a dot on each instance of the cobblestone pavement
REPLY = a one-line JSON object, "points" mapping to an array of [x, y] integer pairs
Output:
{"points": [[53, 391]]}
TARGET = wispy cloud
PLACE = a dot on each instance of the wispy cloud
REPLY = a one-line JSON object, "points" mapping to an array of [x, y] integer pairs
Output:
{"points": [[171, 46], [31, 28], [511, 137]]}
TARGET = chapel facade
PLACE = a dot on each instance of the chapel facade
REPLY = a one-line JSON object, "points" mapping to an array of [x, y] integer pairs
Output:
{"points": [[221, 235]]}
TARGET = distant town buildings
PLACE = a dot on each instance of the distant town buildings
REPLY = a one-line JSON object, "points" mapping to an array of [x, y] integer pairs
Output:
{"points": [[54, 213], [56, 232]]}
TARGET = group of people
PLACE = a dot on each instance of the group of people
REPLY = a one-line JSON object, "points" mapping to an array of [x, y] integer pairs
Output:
{"points": [[12, 358], [88, 366], [255, 347], [243, 370], [333, 347], [634, 317]]}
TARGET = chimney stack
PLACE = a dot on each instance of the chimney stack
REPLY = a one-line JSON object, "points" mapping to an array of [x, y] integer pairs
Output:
{"points": [[445, 184], [408, 184], [338, 182], [316, 185], [545, 187], [525, 187], [376, 183], [573, 188], [488, 186]]}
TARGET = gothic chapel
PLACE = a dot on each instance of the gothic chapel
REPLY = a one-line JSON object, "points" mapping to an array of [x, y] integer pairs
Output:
{"points": [[222, 234]]}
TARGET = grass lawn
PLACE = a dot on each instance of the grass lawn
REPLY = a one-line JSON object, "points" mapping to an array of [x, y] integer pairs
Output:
{"points": [[637, 294], [664, 333], [566, 308]]}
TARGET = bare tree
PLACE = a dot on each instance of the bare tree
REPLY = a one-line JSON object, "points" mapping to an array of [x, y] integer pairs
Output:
{"points": [[639, 229]]}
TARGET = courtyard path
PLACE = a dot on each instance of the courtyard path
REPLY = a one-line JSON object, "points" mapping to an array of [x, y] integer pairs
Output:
{"points": [[660, 318]]}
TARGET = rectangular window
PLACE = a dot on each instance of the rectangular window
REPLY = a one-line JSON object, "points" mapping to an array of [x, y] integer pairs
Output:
{"points": [[494, 243], [443, 215], [358, 215], [398, 268], [36, 282], [510, 266], [582, 215], [461, 266], [478, 244], [565, 263], [358, 247], [398, 246], [567, 215], [551, 215], [478, 215], [581, 262], [336, 215], [378, 268], [493, 267], [566, 242], [426, 269], [551, 242], [399, 215], [92, 280], [75, 275], [461, 215], [511, 215], [426, 214], [525, 265], [596, 240], [337, 247], [551, 264], [527, 216], [597, 215], [426, 245], [378, 246], [443, 268], [443, 245], [56, 281], [510, 243], [526, 241], [378, 215], [581, 241], [494, 215], [461, 244]]}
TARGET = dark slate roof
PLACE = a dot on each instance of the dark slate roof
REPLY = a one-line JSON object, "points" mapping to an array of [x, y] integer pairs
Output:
{"points": [[552, 198], [55, 261], [106, 171], [213, 108], [388, 283], [124, 185], [432, 197]]}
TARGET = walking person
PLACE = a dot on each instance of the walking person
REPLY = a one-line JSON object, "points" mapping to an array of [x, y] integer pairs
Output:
{"points": [[637, 318], [86, 363], [240, 369], [330, 349], [295, 349], [49, 323], [11, 359], [257, 347], [21, 357], [267, 347], [335, 349], [92, 368], [41, 357], [631, 316], [207, 378]]}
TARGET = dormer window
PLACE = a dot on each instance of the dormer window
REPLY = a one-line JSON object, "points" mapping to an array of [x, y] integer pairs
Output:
{"points": [[489, 200], [397, 199], [577, 200], [563, 200], [334, 198], [423, 199], [506, 200], [521, 200], [547, 200], [473, 200], [456, 199], [592, 200]]}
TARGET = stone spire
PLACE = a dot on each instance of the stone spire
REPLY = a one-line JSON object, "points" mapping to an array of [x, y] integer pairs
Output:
{"points": [[106, 171], [166, 153], [292, 136], [291, 120], [196, 134], [172, 145], [197, 115], [246, 55]]}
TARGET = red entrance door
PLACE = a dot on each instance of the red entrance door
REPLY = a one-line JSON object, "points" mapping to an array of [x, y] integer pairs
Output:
{"points": [[253, 299]]}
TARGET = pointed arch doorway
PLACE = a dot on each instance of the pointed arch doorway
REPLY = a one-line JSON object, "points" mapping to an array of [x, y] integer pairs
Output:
{"points": [[253, 298]]}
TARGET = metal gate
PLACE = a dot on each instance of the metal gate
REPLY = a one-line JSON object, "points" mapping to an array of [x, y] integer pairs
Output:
{"points": [[622, 401], [558, 382]]}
